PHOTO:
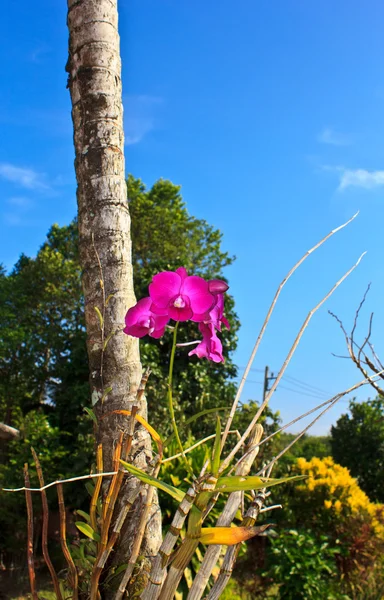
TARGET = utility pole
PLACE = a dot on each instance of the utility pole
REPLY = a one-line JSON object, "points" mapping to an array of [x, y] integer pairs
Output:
{"points": [[267, 379]]}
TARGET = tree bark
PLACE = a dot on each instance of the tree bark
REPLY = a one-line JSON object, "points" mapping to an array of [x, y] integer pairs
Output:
{"points": [[94, 68]]}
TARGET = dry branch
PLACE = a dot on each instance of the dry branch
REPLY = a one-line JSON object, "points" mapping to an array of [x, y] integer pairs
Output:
{"points": [[63, 542], [353, 346], [287, 360], [44, 533], [266, 321], [30, 559]]}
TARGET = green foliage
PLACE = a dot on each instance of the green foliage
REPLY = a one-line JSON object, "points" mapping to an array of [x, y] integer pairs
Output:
{"points": [[303, 566], [357, 442], [307, 447], [35, 431]]}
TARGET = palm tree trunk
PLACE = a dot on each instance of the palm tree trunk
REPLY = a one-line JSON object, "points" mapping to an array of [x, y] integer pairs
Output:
{"points": [[94, 68]]}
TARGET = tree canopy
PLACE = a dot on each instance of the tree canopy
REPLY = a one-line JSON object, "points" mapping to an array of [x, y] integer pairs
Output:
{"points": [[357, 442]]}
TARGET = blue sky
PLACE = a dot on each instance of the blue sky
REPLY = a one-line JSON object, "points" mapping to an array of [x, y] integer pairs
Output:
{"points": [[270, 116]]}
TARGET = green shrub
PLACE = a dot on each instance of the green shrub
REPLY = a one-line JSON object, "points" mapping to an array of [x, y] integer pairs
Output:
{"points": [[303, 566]]}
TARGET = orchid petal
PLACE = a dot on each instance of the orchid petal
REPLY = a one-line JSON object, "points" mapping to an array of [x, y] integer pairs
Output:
{"points": [[164, 287], [196, 288]]}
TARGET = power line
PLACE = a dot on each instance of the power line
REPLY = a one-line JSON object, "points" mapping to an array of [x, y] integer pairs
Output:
{"points": [[283, 387], [301, 392], [312, 389], [302, 383]]}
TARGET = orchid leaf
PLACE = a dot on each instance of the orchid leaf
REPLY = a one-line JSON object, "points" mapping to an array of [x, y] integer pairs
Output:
{"points": [[90, 413], [148, 479], [237, 483], [83, 514], [105, 393], [101, 320], [108, 338], [87, 530]]}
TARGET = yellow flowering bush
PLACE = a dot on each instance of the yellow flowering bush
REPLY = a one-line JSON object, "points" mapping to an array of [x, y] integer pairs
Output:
{"points": [[333, 495]]}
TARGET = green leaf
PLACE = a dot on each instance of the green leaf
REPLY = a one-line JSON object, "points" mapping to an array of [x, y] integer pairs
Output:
{"points": [[105, 393], [90, 488], [145, 478], [216, 448], [108, 299], [100, 316], [108, 338], [90, 412], [84, 515], [236, 484], [87, 530], [116, 572]]}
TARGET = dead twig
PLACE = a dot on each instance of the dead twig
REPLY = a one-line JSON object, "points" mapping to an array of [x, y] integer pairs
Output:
{"points": [[30, 558], [44, 532], [291, 352], [63, 542], [266, 321], [353, 346], [330, 403]]}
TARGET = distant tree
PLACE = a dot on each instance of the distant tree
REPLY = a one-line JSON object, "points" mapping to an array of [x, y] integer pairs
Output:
{"points": [[357, 442], [308, 447]]}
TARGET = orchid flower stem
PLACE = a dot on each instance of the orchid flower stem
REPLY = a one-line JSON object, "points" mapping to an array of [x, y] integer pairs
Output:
{"points": [[170, 399]]}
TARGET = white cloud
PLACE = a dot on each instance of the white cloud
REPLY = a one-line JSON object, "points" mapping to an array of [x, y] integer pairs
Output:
{"points": [[136, 129], [20, 202], [12, 219], [361, 178], [19, 207], [39, 53], [140, 117], [26, 178], [333, 138]]}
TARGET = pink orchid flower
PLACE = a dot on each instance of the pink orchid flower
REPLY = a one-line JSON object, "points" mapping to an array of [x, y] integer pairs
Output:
{"points": [[181, 296], [210, 347], [141, 321], [215, 315]]}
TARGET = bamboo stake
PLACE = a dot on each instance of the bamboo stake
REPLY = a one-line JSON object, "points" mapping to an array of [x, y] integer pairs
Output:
{"points": [[212, 553], [161, 560], [188, 547], [30, 559], [63, 542], [233, 551], [44, 533]]}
